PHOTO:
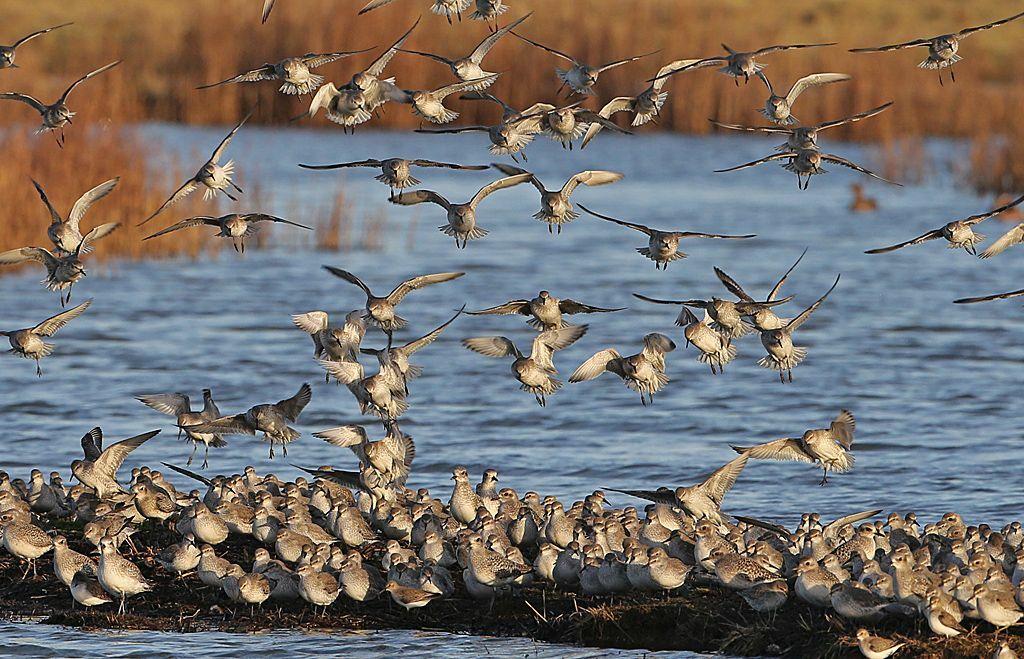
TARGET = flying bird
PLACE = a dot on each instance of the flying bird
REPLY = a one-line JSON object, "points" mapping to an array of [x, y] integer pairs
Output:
{"points": [[462, 223], [534, 371], [545, 310], [66, 234], [381, 310], [961, 235], [943, 49], [30, 342], [663, 246], [761, 315], [57, 115], [643, 372], [428, 104], [726, 316], [989, 298], [336, 343], [581, 77], [293, 72], [828, 447], [8, 53], [394, 360], [805, 163], [179, 406], [779, 109], [214, 176], [803, 137], [236, 226], [782, 355], [98, 469], [63, 271], [739, 64], [396, 173], [555, 208], [446, 8]]}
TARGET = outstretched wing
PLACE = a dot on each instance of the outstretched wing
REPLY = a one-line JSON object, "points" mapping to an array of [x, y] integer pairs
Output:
{"points": [[343, 436], [228, 425], [15, 256], [987, 26], [422, 281], [782, 280], [370, 162], [852, 118], [185, 224], [669, 69], [732, 285], [775, 49], [924, 237], [37, 33], [974, 219], [781, 449], [989, 298], [375, 4], [187, 188], [806, 313], [490, 346], [557, 53], [313, 60], [174, 404], [590, 177], [346, 373], [91, 74], [896, 46], [500, 184], [265, 72], [828, 157], [191, 474], [661, 495], [263, 217], [595, 366], [292, 407], [843, 428], [268, 6], [813, 80], [420, 162], [485, 46], [350, 278], [759, 161], [1014, 236], [92, 444], [113, 456], [620, 62], [753, 129], [418, 197], [377, 67], [51, 325], [86, 201], [722, 479], [573, 307], [839, 523], [219, 151], [24, 98], [637, 227], [507, 309]]}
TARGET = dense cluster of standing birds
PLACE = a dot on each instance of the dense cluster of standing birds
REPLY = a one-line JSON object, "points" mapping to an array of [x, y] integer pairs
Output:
{"points": [[363, 533]]}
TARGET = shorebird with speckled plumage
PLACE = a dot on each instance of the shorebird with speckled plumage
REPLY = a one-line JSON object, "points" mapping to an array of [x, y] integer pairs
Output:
{"points": [[428, 104], [381, 310], [332, 342], [394, 360], [581, 77], [470, 67], [828, 447], [29, 342], [119, 576], [803, 137], [663, 246], [700, 501], [409, 598], [779, 109], [876, 647], [545, 310], [376, 394], [212, 175], [534, 371], [643, 372], [715, 349], [98, 469], [293, 72], [943, 49], [961, 235], [236, 226], [555, 208], [65, 234], [725, 316], [57, 115], [805, 163], [396, 172], [392, 456], [761, 316], [462, 220], [739, 64], [782, 355], [23, 540], [86, 589], [179, 406], [269, 418], [63, 271]]}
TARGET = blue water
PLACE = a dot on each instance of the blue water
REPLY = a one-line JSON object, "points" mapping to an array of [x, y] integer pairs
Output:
{"points": [[928, 381]]}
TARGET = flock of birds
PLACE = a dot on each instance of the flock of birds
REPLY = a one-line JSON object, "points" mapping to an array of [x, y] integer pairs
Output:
{"points": [[364, 532]]}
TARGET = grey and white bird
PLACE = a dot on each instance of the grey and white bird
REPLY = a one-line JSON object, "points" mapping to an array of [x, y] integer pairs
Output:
{"points": [[381, 310], [512, 134], [56, 115], [294, 72], [876, 647], [645, 106], [489, 10], [98, 469], [271, 419], [643, 372], [381, 394], [470, 68], [725, 316], [804, 136], [535, 371], [212, 175], [943, 49], [555, 207], [761, 315], [663, 246], [828, 447], [545, 310], [961, 235], [30, 342], [394, 360], [805, 163], [179, 406], [782, 355], [739, 64], [779, 109], [570, 122], [715, 349], [581, 77], [446, 8], [236, 226], [63, 271], [429, 104], [119, 576], [8, 53], [392, 456], [333, 342], [396, 173], [700, 501], [66, 234], [462, 220]]}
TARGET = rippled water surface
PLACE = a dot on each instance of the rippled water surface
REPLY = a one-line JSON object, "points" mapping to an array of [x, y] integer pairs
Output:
{"points": [[931, 383]]}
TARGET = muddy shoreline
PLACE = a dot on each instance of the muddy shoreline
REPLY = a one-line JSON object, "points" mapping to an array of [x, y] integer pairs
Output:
{"points": [[701, 617]]}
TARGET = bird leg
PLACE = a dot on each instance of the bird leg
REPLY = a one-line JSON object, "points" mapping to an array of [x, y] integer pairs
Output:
{"points": [[188, 463], [824, 478], [206, 457], [235, 186], [39, 370], [790, 375], [271, 449], [952, 75]]}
